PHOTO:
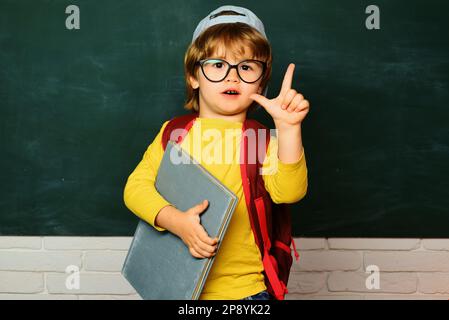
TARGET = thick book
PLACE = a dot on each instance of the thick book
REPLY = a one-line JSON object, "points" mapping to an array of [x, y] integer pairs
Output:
{"points": [[159, 265]]}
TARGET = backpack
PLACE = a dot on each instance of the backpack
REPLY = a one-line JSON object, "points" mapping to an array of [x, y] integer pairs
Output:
{"points": [[270, 222]]}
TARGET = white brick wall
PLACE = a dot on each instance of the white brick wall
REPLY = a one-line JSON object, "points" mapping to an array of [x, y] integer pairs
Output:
{"points": [[335, 268], [34, 268]]}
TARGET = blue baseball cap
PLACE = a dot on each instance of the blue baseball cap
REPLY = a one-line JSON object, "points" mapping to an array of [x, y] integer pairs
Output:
{"points": [[243, 15]]}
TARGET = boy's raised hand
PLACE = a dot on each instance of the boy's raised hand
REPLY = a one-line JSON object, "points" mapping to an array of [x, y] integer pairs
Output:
{"points": [[289, 108], [194, 235]]}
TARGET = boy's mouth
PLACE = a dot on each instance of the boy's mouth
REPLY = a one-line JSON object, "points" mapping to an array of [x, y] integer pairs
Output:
{"points": [[231, 91]]}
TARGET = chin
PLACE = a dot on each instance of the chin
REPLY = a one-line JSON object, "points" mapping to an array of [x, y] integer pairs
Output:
{"points": [[232, 111], [234, 107]]}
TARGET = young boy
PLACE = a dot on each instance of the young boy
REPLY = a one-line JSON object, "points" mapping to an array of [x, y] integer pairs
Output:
{"points": [[227, 66]]}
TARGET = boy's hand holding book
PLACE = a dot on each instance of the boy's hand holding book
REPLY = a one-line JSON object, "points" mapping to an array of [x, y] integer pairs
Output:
{"points": [[186, 225]]}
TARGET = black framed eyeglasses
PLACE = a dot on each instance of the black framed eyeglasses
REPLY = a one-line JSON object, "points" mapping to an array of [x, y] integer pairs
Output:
{"points": [[216, 70]]}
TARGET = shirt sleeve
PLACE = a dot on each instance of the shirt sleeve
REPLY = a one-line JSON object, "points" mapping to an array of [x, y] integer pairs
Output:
{"points": [[140, 194], [285, 182]]}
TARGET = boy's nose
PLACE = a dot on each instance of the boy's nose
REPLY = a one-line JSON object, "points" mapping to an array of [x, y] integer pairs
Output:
{"points": [[232, 75]]}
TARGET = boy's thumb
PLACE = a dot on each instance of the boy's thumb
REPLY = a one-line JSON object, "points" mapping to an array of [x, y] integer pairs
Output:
{"points": [[261, 100], [199, 208]]}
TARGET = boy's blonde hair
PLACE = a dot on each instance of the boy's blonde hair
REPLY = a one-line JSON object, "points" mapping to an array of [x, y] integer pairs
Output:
{"points": [[236, 37]]}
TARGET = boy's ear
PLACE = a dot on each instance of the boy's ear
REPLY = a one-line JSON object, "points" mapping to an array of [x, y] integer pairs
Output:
{"points": [[193, 82]]}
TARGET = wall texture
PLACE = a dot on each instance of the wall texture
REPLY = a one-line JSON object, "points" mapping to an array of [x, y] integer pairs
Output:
{"points": [[334, 268]]}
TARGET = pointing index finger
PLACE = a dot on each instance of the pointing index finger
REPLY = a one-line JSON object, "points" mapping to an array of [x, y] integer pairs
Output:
{"points": [[288, 78]]}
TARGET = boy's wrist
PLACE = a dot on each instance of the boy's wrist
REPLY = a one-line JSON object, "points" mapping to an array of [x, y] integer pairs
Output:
{"points": [[169, 219], [280, 126]]}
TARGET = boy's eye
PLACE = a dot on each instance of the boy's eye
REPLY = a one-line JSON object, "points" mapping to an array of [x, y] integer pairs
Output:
{"points": [[218, 64], [246, 67]]}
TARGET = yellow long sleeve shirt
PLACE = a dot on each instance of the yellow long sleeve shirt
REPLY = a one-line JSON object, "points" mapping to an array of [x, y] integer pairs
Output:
{"points": [[237, 269]]}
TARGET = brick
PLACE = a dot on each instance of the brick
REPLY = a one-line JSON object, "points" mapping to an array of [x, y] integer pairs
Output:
{"points": [[405, 297], [34, 243], [38, 260], [436, 244], [408, 261], [356, 282], [328, 261], [21, 282], [373, 244], [87, 243], [104, 260], [296, 296], [37, 297], [433, 283], [310, 243], [110, 297], [91, 283], [306, 282]]}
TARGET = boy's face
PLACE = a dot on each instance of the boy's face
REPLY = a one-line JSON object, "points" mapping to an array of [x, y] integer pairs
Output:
{"points": [[212, 95]]}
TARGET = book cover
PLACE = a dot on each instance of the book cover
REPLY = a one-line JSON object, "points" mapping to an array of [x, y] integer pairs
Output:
{"points": [[159, 264]]}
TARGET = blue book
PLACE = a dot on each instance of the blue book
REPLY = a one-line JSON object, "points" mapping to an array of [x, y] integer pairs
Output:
{"points": [[159, 264]]}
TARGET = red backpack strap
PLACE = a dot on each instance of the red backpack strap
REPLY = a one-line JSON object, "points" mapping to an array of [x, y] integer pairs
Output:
{"points": [[259, 201], [249, 173], [179, 126], [260, 207]]}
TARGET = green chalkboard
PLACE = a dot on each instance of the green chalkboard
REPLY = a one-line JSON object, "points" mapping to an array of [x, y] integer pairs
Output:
{"points": [[79, 107]]}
